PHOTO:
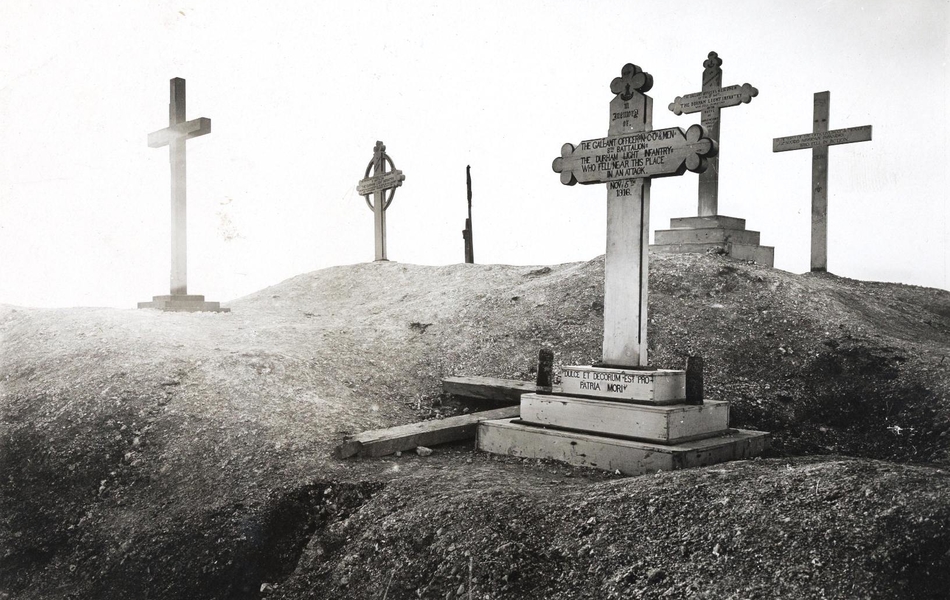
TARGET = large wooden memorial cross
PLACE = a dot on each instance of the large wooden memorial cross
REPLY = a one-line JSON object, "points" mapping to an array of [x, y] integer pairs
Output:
{"points": [[174, 136], [378, 184], [710, 101], [818, 141], [626, 160]]}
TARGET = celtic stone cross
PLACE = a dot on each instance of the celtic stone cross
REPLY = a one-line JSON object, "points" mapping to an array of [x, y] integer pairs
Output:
{"points": [[377, 185]]}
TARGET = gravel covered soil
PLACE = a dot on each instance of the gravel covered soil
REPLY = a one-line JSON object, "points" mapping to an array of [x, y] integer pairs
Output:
{"points": [[155, 455]]}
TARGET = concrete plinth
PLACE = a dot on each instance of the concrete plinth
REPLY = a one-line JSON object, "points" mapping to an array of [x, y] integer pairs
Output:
{"points": [[699, 235], [183, 303], [514, 438], [656, 424]]}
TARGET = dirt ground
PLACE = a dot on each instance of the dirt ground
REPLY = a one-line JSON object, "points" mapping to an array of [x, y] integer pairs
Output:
{"points": [[155, 455]]}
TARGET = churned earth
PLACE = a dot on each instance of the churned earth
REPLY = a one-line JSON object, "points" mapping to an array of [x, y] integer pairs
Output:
{"points": [[155, 455]]}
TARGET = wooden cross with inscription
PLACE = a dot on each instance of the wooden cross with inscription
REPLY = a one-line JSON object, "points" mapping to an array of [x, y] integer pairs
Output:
{"points": [[710, 101], [174, 136], [818, 141], [377, 185], [626, 160]]}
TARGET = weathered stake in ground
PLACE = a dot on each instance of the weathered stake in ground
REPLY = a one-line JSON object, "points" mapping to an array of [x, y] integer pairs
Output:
{"points": [[626, 160], [710, 101], [174, 136], [818, 141], [467, 232], [378, 184]]}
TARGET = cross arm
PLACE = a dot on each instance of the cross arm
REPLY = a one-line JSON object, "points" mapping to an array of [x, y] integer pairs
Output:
{"points": [[186, 130], [733, 95], [660, 153], [380, 182], [825, 138]]}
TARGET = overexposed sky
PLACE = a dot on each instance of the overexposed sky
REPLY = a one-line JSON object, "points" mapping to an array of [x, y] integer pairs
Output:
{"points": [[299, 92]]}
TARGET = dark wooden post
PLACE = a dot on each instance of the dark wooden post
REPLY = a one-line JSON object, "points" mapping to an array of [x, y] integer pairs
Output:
{"points": [[467, 232], [694, 380], [545, 370]]}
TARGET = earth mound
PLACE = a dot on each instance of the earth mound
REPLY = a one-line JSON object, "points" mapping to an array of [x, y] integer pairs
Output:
{"points": [[189, 455]]}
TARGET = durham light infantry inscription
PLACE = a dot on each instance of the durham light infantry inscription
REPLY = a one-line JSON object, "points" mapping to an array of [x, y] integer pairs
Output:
{"points": [[818, 141], [626, 160], [377, 186], [660, 153]]}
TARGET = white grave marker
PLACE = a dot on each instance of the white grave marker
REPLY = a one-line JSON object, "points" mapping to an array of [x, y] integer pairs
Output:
{"points": [[626, 160], [818, 141], [377, 185], [710, 101]]}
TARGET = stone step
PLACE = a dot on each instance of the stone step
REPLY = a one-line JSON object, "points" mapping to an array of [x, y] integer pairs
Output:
{"points": [[705, 236], [669, 424], [183, 305], [760, 255], [657, 386], [715, 221], [183, 297], [513, 438]]}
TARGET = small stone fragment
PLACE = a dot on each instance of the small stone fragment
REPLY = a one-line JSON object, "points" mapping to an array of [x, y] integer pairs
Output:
{"points": [[423, 451], [656, 576]]}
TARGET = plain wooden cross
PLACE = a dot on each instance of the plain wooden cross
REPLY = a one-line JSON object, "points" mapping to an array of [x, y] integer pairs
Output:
{"points": [[377, 185], [174, 137], [626, 160], [710, 101], [818, 141]]}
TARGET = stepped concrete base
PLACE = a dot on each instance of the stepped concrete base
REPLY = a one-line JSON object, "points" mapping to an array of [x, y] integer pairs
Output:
{"points": [[515, 438], [648, 386], [656, 424], [183, 303], [718, 233]]}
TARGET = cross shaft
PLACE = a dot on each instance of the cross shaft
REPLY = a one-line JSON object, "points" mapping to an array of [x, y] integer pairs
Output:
{"points": [[174, 136]]}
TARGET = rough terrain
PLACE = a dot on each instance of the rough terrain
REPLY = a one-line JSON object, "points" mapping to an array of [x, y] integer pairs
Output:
{"points": [[154, 455]]}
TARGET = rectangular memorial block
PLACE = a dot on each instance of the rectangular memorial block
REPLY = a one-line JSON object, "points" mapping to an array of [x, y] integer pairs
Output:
{"points": [[507, 436], [660, 386], [710, 222], [660, 424], [706, 235]]}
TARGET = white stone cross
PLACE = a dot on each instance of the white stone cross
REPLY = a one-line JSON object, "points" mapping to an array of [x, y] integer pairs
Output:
{"points": [[626, 160], [174, 137], [818, 141], [713, 98], [377, 185]]}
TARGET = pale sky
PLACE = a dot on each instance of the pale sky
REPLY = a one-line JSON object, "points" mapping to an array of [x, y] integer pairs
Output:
{"points": [[299, 92]]}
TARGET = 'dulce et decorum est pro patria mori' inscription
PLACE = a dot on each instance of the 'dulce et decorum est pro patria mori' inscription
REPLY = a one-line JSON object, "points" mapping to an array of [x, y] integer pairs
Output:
{"points": [[597, 381]]}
